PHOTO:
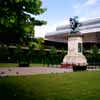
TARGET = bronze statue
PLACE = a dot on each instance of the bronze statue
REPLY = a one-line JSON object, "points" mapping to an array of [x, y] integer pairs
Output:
{"points": [[74, 24]]}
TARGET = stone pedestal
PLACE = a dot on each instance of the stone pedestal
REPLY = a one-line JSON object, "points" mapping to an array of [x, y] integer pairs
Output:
{"points": [[75, 48]]}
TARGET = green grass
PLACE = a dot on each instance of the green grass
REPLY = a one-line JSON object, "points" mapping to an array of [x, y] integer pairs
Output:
{"points": [[37, 65], [67, 86], [8, 65], [16, 65]]}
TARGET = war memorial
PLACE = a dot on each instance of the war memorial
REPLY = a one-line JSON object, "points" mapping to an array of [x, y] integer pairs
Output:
{"points": [[76, 40], [75, 58]]}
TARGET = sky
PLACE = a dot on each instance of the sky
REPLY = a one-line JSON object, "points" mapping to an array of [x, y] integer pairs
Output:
{"points": [[59, 11]]}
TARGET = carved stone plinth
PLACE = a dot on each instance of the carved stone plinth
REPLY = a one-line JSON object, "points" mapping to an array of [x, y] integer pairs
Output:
{"points": [[75, 48]]}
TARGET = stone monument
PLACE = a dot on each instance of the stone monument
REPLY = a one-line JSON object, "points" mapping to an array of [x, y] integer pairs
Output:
{"points": [[75, 56]]}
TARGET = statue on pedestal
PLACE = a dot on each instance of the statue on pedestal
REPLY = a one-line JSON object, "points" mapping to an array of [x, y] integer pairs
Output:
{"points": [[75, 57], [74, 24]]}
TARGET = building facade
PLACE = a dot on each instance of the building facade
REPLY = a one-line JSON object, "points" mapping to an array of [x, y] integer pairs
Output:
{"points": [[90, 31]]}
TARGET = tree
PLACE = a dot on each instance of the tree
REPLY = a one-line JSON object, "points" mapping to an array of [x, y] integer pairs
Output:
{"points": [[38, 44], [53, 56], [62, 55], [15, 18], [94, 56], [16, 23]]}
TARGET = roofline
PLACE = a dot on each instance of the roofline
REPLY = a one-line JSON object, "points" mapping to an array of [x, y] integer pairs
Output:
{"points": [[86, 22]]}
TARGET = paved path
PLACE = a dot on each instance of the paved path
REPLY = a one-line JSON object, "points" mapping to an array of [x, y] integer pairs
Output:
{"points": [[93, 69], [31, 71]]}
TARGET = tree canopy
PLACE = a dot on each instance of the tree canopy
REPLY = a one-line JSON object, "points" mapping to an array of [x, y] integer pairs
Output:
{"points": [[16, 21]]}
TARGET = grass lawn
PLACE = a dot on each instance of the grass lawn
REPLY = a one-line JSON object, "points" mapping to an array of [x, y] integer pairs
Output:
{"points": [[16, 65], [8, 65], [67, 86]]}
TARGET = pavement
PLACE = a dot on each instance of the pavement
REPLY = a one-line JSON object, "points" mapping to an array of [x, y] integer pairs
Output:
{"points": [[31, 71], [93, 69]]}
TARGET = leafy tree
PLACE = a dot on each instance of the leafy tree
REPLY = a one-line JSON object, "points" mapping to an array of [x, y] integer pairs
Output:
{"points": [[53, 56], [94, 56], [16, 23], [39, 43], [62, 55]]}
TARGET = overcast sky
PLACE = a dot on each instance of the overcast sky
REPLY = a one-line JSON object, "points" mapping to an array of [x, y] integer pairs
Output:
{"points": [[59, 11]]}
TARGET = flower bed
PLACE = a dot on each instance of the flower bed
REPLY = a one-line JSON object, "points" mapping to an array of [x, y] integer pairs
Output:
{"points": [[66, 66], [75, 67]]}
